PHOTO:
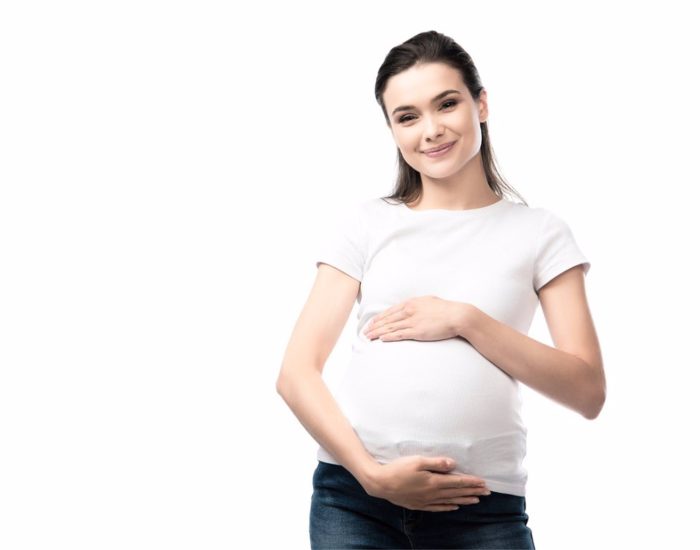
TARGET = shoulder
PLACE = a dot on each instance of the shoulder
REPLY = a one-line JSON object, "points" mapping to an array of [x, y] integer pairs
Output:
{"points": [[355, 217], [524, 217], [539, 217], [349, 211], [373, 208]]}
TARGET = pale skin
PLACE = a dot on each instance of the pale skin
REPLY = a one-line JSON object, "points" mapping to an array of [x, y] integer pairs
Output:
{"points": [[570, 373]]}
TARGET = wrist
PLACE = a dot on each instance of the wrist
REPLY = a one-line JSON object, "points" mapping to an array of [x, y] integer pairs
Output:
{"points": [[464, 319], [369, 476]]}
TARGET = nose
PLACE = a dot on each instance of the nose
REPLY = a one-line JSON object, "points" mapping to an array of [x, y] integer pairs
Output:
{"points": [[433, 129]]}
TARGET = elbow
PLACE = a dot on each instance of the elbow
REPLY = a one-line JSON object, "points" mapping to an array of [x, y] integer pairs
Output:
{"points": [[288, 377], [282, 383], [596, 394], [594, 407]]}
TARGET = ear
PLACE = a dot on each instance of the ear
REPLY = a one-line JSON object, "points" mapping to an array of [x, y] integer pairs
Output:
{"points": [[483, 106]]}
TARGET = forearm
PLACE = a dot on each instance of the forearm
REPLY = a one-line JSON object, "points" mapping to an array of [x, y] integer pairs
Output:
{"points": [[557, 374], [313, 404]]}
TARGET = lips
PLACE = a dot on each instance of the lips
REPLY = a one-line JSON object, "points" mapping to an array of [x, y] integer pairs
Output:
{"points": [[440, 150]]}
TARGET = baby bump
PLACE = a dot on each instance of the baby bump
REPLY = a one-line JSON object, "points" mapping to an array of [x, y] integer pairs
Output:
{"points": [[442, 391]]}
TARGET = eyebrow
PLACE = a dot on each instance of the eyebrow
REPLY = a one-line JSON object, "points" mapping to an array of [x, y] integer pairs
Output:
{"points": [[436, 98]]}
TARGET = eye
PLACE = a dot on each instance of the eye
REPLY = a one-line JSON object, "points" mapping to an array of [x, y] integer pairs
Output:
{"points": [[449, 103]]}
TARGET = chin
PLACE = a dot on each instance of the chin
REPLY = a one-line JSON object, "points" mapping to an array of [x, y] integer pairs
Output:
{"points": [[443, 172]]}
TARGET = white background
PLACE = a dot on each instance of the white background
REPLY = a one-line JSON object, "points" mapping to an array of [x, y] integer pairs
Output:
{"points": [[168, 170]]}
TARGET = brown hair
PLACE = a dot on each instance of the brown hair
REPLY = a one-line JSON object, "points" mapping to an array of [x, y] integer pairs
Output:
{"points": [[431, 47]]}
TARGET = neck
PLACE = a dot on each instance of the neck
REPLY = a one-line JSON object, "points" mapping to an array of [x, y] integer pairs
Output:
{"points": [[463, 190]]}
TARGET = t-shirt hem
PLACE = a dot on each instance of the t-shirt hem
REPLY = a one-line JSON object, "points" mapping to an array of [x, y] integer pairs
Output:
{"points": [[560, 268], [492, 485], [345, 268]]}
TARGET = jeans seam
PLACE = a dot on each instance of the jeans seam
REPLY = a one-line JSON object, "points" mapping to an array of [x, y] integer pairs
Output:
{"points": [[405, 532]]}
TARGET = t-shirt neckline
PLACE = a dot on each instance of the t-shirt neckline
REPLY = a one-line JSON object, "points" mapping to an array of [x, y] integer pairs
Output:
{"points": [[469, 212]]}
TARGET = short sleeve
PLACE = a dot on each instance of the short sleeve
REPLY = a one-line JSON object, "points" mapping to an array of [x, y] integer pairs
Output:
{"points": [[344, 245], [556, 251]]}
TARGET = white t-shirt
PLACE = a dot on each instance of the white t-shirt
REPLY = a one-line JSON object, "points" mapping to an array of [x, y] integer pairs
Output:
{"points": [[443, 398]]}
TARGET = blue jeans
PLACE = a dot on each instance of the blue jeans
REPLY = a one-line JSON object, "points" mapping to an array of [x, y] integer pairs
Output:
{"points": [[343, 515]]}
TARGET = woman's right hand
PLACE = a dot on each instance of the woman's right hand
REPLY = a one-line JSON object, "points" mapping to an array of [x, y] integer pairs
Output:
{"points": [[422, 483]]}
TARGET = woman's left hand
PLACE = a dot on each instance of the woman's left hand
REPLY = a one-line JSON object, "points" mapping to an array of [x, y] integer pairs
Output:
{"points": [[421, 318]]}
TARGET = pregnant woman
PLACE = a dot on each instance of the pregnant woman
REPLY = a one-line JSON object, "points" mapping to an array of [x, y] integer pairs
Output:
{"points": [[423, 445]]}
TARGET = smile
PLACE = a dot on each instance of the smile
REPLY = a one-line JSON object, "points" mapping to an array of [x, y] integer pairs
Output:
{"points": [[440, 152]]}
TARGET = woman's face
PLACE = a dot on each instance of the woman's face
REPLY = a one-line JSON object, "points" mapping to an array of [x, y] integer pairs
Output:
{"points": [[422, 116]]}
